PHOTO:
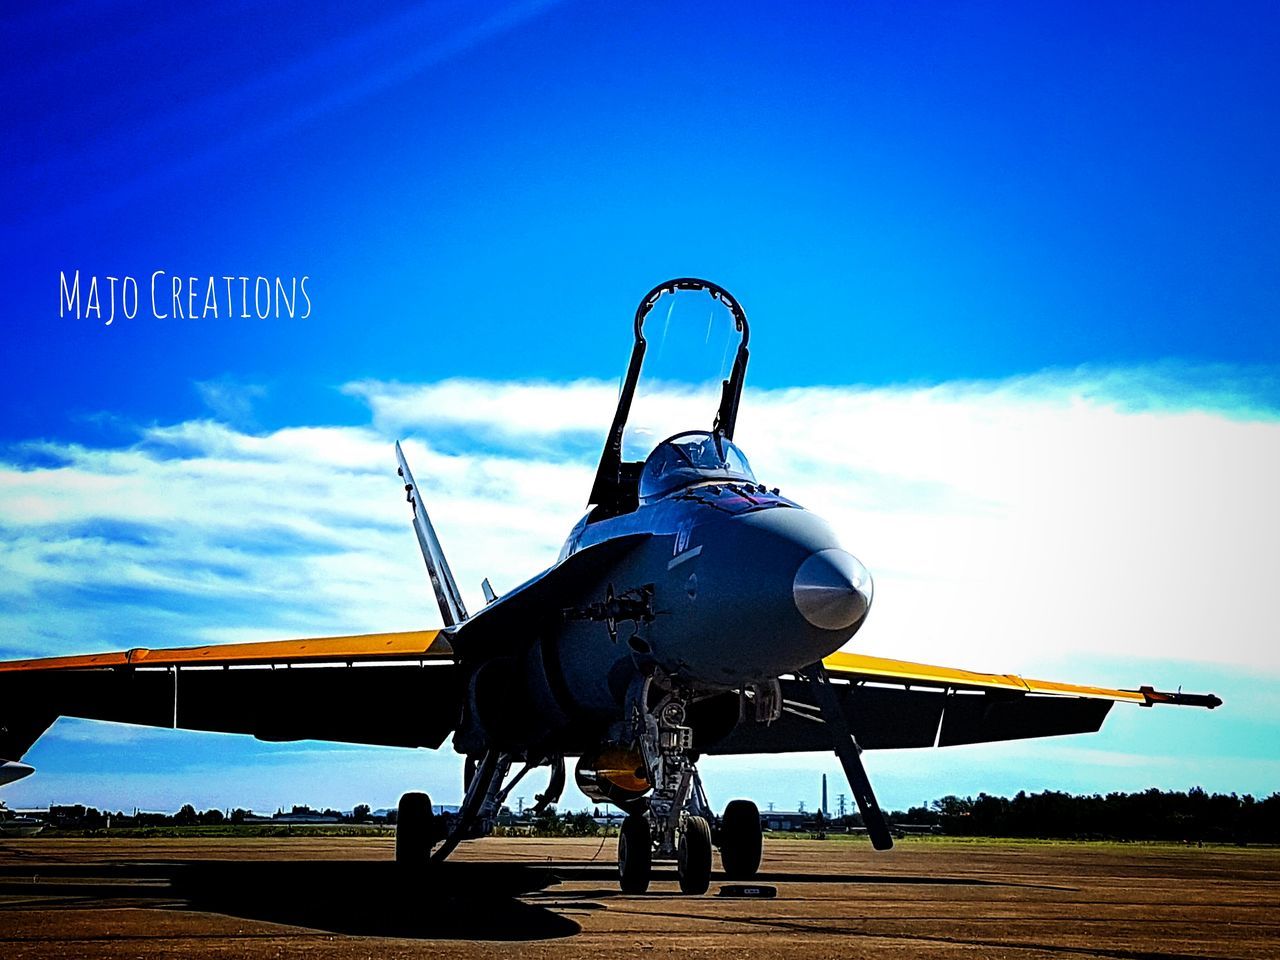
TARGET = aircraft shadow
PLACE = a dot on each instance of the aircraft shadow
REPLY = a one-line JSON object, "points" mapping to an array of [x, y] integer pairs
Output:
{"points": [[451, 901]]}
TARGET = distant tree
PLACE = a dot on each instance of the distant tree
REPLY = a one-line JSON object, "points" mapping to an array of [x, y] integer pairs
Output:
{"points": [[920, 815], [580, 824], [548, 823], [361, 813], [186, 817], [238, 815], [212, 818]]}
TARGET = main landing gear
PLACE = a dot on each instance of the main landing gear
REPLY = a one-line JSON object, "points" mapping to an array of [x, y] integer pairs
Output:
{"points": [[741, 840], [675, 821], [418, 830]]}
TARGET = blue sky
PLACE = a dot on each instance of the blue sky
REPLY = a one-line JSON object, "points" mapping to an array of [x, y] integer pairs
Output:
{"points": [[1026, 223]]}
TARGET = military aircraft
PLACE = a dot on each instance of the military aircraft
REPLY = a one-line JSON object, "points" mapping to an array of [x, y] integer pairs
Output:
{"points": [[692, 611]]}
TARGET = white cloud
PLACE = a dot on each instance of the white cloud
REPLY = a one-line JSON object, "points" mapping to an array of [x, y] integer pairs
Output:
{"points": [[1113, 511], [1010, 524], [71, 730], [1010, 521]]}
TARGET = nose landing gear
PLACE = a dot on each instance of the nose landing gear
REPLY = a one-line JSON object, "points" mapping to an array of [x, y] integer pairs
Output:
{"points": [[674, 821]]}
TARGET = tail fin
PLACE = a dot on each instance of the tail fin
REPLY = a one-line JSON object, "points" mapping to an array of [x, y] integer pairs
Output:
{"points": [[452, 608]]}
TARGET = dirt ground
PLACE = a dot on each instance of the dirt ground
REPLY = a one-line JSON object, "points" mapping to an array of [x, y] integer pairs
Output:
{"points": [[335, 897]]}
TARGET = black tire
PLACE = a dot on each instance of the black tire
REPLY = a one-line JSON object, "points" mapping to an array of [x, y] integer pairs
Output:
{"points": [[635, 854], [695, 855], [415, 830], [741, 840]]}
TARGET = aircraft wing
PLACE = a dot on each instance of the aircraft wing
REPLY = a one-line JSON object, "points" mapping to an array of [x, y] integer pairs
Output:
{"points": [[397, 689], [894, 704]]}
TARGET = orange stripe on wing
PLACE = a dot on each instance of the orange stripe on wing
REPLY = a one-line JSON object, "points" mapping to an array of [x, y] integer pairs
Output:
{"points": [[903, 671], [410, 645]]}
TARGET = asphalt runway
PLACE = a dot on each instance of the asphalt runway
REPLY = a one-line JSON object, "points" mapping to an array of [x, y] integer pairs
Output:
{"points": [[337, 897]]}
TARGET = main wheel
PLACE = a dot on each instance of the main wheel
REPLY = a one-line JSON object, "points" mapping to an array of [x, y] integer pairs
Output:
{"points": [[694, 854], [635, 854], [415, 829], [741, 840]]}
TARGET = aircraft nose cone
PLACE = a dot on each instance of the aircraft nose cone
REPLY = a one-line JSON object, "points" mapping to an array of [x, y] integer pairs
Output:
{"points": [[832, 590]]}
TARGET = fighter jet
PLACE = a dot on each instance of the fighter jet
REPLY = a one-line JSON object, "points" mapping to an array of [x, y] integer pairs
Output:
{"points": [[693, 611]]}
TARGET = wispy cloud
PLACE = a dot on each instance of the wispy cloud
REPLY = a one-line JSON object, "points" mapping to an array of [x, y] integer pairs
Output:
{"points": [[264, 105], [231, 401]]}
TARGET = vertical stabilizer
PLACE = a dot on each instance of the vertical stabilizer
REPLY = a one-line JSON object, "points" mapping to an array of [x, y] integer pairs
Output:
{"points": [[452, 608]]}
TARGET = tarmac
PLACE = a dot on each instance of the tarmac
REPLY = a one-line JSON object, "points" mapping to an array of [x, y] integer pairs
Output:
{"points": [[322, 897]]}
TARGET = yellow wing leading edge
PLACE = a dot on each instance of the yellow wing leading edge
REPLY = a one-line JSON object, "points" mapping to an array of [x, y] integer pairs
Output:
{"points": [[409, 645], [857, 666]]}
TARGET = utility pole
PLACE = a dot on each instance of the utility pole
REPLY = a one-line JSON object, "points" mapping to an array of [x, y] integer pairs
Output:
{"points": [[840, 803], [520, 806], [802, 806], [771, 806]]}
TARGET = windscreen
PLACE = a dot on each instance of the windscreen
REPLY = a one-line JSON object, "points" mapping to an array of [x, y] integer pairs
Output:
{"points": [[692, 339], [689, 459]]}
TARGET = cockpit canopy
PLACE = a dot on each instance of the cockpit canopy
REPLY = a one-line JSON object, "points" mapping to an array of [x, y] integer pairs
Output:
{"points": [[694, 360], [688, 458]]}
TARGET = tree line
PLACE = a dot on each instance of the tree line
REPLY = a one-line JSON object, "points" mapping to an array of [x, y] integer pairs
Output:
{"points": [[1192, 816]]}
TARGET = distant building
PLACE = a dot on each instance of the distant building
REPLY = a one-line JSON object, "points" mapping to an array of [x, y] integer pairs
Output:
{"points": [[786, 820], [297, 815], [66, 814], [287, 818]]}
